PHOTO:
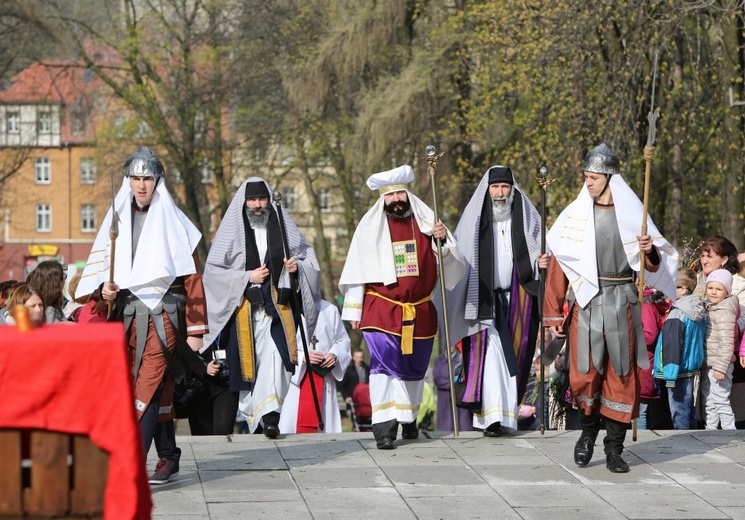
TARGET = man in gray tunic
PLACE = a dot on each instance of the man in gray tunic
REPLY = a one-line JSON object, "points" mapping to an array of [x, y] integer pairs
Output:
{"points": [[158, 295], [596, 250]]}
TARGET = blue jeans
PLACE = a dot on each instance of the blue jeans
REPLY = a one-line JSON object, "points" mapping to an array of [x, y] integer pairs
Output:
{"points": [[681, 404], [641, 422]]}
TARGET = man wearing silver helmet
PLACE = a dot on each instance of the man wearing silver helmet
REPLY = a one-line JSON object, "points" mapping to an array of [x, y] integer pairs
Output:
{"points": [[157, 293], [494, 307], [596, 255]]}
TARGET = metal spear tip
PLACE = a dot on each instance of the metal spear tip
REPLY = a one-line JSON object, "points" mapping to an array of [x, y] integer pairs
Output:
{"points": [[543, 172], [430, 150], [277, 197]]}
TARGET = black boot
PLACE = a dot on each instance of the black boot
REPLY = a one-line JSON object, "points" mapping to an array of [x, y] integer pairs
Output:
{"points": [[616, 435], [584, 449], [271, 425], [385, 434], [585, 446], [616, 464], [409, 431], [493, 430]]}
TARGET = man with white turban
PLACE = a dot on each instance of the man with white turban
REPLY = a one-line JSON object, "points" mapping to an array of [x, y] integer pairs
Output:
{"points": [[596, 255], [387, 282]]}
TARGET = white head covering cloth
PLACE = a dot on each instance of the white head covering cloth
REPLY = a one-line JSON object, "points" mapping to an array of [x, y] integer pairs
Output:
{"points": [[164, 251], [572, 240], [364, 264]]}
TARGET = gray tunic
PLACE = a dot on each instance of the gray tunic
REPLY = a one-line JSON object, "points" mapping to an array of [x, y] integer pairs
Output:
{"points": [[602, 324]]}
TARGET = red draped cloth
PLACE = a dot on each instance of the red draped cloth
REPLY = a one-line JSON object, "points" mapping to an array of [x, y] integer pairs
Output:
{"points": [[307, 418], [76, 379]]}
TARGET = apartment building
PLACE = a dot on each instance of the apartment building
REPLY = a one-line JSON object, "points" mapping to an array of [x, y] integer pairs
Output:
{"points": [[54, 193]]}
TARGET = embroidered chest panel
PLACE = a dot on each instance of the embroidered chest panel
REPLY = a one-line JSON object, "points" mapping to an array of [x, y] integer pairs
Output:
{"points": [[405, 258]]}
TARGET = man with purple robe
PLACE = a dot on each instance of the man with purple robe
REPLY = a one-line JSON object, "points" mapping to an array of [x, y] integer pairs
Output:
{"points": [[388, 280]]}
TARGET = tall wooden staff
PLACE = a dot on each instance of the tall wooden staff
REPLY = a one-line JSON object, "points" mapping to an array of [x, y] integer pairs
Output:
{"points": [[544, 182], [297, 301], [431, 170], [113, 234], [652, 117]]}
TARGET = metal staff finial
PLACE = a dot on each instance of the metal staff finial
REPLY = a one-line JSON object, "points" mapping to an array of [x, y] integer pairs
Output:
{"points": [[432, 158]]}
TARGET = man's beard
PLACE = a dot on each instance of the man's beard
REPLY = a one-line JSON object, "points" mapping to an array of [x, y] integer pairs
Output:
{"points": [[398, 208], [257, 217], [502, 212]]}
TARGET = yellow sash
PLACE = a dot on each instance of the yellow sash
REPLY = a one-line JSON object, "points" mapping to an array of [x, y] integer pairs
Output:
{"points": [[409, 314]]}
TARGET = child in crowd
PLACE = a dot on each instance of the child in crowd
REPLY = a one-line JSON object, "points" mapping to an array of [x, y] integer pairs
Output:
{"points": [[721, 336], [654, 307], [679, 353]]}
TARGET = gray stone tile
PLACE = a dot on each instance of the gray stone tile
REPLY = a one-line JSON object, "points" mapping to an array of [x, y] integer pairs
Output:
{"points": [[736, 513], [248, 486], [433, 475], [459, 507], [676, 444], [442, 456], [330, 455], [550, 496], [720, 495], [534, 458], [562, 513], [313, 478], [657, 501], [718, 438], [179, 502], [419, 444], [297, 510], [711, 456], [359, 503], [596, 474], [476, 491], [704, 473], [536, 475], [263, 457], [734, 452]]}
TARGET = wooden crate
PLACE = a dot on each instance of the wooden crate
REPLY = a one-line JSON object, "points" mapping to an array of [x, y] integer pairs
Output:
{"points": [[51, 475]]}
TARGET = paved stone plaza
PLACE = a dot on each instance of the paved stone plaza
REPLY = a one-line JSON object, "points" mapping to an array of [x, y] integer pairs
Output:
{"points": [[695, 474]]}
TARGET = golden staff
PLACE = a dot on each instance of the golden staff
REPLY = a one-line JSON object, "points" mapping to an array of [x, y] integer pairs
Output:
{"points": [[431, 170], [544, 182], [652, 117], [113, 234]]}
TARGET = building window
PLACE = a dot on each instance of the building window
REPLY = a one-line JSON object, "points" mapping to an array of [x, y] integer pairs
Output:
{"points": [[206, 174], [323, 199], [44, 122], [88, 218], [43, 218], [286, 155], [87, 170], [289, 199], [13, 122], [43, 171], [77, 122]]}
